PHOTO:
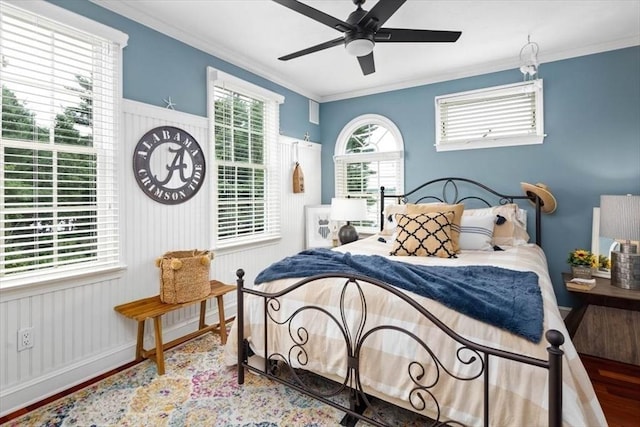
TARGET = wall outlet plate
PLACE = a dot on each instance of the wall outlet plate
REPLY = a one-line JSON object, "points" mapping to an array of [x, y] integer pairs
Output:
{"points": [[25, 338]]}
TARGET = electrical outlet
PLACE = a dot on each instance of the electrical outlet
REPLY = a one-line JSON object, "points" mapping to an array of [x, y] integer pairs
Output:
{"points": [[25, 338]]}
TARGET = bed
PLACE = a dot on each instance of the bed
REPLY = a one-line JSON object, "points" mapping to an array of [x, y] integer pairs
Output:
{"points": [[356, 317]]}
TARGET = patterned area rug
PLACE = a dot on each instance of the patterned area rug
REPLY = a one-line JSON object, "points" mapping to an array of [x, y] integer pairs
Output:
{"points": [[196, 390]]}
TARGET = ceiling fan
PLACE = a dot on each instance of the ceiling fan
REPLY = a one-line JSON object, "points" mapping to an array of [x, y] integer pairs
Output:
{"points": [[363, 29]]}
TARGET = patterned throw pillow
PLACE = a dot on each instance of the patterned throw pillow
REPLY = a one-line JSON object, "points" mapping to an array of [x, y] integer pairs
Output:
{"points": [[424, 234], [457, 209]]}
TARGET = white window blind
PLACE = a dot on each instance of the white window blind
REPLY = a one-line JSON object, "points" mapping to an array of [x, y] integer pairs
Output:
{"points": [[362, 179], [369, 154], [58, 145], [244, 123], [493, 117]]}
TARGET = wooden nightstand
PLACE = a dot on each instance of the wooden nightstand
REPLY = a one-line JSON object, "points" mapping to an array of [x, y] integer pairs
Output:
{"points": [[612, 330]]}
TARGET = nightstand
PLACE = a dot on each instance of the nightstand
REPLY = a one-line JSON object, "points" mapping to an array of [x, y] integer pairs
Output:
{"points": [[612, 328]]}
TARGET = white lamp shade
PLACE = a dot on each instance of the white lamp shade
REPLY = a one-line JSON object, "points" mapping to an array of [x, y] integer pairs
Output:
{"points": [[348, 209], [620, 217]]}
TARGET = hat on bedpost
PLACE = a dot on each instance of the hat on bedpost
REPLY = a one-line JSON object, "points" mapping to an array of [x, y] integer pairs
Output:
{"points": [[548, 203]]}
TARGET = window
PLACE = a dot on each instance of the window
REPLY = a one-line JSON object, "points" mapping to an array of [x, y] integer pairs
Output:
{"points": [[244, 121], [58, 166], [369, 154], [494, 117]]}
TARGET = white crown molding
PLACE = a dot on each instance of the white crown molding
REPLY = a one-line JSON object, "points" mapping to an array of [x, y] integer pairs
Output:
{"points": [[59, 14], [241, 61], [488, 68], [207, 46]]}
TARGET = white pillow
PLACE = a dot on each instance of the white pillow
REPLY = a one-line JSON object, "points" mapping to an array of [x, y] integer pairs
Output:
{"points": [[476, 232], [513, 231], [390, 222]]}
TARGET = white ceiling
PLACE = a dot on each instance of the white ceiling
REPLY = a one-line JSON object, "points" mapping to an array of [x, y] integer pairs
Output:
{"points": [[254, 33]]}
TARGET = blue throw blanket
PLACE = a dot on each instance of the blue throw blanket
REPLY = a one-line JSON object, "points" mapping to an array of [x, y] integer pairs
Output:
{"points": [[505, 298]]}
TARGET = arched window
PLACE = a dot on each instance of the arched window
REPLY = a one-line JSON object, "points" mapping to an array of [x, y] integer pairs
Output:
{"points": [[369, 153]]}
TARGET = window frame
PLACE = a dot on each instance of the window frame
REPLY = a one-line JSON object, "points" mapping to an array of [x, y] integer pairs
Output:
{"points": [[396, 155], [532, 86], [273, 100], [106, 177]]}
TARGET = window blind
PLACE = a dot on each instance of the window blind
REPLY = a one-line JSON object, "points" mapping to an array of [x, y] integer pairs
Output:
{"points": [[362, 175], [58, 168], [504, 115], [245, 130]]}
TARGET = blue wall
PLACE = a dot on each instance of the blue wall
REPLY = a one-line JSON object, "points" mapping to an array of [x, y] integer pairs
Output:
{"points": [[157, 66], [592, 119]]}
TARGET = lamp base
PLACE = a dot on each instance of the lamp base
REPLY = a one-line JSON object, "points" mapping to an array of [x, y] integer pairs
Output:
{"points": [[625, 268], [347, 234]]}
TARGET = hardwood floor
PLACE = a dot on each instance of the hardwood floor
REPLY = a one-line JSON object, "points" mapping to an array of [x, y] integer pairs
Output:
{"points": [[617, 386]]}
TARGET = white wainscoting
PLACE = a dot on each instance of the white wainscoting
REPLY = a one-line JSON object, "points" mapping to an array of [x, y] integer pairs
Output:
{"points": [[77, 333]]}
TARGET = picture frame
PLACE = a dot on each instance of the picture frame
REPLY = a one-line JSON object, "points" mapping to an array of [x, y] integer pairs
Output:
{"points": [[601, 245], [318, 226]]}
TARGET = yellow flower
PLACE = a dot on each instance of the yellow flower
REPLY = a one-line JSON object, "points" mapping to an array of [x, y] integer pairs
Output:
{"points": [[582, 257]]}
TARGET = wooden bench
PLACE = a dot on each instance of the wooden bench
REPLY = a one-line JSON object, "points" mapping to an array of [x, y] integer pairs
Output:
{"points": [[153, 308]]}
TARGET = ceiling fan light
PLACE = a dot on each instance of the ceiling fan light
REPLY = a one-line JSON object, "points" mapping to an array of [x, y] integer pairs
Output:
{"points": [[360, 47]]}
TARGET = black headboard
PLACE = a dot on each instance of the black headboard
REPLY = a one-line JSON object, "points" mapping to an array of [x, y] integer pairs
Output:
{"points": [[449, 193]]}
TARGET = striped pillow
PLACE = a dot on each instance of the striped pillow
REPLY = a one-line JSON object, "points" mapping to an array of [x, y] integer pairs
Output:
{"points": [[476, 232]]}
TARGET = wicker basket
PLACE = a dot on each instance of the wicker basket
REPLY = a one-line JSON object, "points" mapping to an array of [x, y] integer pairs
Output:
{"points": [[184, 276]]}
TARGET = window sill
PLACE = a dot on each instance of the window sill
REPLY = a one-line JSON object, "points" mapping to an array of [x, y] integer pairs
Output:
{"points": [[492, 143], [27, 286], [229, 248]]}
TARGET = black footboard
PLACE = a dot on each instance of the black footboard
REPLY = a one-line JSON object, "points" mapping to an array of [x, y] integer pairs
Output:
{"points": [[279, 365]]}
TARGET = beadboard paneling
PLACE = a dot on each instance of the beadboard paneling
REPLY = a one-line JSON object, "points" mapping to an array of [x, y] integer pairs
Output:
{"points": [[77, 333]]}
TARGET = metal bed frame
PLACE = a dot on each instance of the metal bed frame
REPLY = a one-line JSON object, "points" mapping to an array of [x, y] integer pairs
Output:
{"points": [[450, 195], [278, 365]]}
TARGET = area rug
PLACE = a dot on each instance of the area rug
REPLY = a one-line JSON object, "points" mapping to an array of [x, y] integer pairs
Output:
{"points": [[196, 390]]}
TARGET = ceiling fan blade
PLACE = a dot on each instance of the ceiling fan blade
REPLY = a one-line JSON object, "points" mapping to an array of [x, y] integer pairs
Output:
{"points": [[316, 48], [400, 35], [367, 64], [316, 15], [380, 13]]}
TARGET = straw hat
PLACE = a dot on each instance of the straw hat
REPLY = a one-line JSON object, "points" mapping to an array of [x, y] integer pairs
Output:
{"points": [[548, 203]]}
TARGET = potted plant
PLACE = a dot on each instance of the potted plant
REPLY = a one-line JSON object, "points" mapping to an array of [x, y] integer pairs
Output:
{"points": [[581, 262]]}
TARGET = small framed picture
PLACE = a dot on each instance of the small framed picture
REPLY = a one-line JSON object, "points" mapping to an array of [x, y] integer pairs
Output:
{"points": [[318, 226]]}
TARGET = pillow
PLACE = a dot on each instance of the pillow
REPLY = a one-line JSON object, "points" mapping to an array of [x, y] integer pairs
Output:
{"points": [[509, 233], [476, 232], [443, 207], [424, 234], [390, 222]]}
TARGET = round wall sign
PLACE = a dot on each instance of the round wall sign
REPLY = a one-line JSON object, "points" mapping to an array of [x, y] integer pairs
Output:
{"points": [[168, 164]]}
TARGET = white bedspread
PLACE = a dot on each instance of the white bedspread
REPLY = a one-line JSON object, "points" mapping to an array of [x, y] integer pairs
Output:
{"points": [[518, 393]]}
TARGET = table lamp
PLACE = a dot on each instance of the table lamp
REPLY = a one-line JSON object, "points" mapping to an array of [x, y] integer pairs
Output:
{"points": [[348, 210], [620, 220]]}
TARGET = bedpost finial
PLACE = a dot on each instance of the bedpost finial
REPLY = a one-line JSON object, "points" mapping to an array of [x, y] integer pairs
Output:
{"points": [[240, 281], [554, 337]]}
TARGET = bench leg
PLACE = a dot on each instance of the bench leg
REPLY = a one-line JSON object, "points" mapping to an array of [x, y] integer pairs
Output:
{"points": [[203, 310], [157, 324], [223, 323], [140, 341]]}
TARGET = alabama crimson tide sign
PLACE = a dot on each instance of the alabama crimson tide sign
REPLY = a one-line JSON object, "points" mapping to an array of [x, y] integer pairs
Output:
{"points": [[169, 165]]}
